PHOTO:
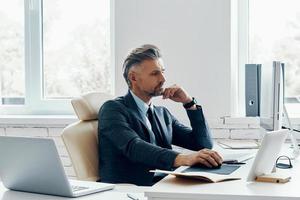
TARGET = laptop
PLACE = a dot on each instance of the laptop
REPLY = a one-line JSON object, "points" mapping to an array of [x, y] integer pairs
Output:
{"points": [[264, 162], [33, 165]]}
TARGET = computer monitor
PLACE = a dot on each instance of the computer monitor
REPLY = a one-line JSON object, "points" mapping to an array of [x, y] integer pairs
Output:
{"points": [[272, 96], [272, 108]]}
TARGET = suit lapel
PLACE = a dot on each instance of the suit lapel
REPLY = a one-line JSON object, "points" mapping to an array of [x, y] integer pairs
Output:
{"points": [[130, 102]]}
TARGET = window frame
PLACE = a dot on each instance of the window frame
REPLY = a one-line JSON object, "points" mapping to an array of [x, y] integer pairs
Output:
{"points": [[293, 109], [34, 102]]}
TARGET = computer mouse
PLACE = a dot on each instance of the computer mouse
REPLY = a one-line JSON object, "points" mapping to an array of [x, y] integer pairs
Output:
{"points": [[206, 167]]}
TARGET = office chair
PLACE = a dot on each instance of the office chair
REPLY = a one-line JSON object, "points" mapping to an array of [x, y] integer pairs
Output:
{"points": [[81, 138]]}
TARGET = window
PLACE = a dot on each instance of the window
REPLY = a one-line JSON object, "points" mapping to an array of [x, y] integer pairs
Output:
{"points": [[76, 48], [12, 62], [55, 50], [274, 34]]}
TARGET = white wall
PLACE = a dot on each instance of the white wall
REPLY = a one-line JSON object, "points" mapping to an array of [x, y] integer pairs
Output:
{"points": [[194, 36]]}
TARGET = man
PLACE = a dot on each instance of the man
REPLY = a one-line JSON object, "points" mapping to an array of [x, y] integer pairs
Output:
{"points": [[135, 136]]}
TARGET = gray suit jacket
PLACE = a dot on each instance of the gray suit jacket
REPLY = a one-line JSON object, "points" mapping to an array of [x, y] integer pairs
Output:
{"points": [[126, 149]]}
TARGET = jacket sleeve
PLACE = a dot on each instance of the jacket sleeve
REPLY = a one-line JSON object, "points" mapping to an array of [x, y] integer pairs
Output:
{"points": [[195, 138], [114, 124]]}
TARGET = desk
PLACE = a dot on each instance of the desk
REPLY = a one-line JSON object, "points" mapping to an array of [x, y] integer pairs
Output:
{"points": [[174, 188], [177, 188]]}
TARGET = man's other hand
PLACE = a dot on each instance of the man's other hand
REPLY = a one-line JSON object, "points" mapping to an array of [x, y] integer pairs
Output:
{"points": [[207, 157]]}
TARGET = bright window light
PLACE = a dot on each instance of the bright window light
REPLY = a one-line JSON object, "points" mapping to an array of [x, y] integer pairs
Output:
{"points": [[274, 34], [76, 48], [52, 51], [12, 70]]}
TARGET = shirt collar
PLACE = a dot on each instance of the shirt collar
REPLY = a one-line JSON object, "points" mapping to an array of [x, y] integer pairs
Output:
{"points": [[142, 106]]}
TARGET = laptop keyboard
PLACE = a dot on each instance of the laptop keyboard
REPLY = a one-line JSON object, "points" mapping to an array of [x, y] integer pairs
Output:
{"points": [[77, 188]]}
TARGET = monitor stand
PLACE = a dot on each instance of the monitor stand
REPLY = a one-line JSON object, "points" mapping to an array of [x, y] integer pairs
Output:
{"points": [[296, 150]]}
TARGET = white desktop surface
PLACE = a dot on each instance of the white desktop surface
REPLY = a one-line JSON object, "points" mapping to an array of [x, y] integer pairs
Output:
{"points": [[179, 188]]}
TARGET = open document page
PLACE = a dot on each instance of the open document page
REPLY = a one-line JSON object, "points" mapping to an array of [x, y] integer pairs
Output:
{"points": [[202, 176]]}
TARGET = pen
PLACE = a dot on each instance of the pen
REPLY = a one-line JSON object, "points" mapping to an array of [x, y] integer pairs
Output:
{"points": [[132, 197], [234, 163]]}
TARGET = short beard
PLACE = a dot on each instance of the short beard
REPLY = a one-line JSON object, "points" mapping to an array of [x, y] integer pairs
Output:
{"points": [[157, 92]]}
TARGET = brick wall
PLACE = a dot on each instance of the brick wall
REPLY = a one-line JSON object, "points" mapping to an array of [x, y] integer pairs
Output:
{"points": [[236, 128], [241, 128], [43, 132]]}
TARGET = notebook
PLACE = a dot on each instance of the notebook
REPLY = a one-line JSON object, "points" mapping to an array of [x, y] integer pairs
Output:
{"points": [[201, 176]]}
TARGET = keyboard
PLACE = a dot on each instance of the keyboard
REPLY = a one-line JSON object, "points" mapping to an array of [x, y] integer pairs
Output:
{"points": [[77, 188], [239, 156]]}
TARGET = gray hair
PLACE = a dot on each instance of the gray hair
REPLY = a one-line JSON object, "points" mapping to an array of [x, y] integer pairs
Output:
{"points": [[137, 56]]}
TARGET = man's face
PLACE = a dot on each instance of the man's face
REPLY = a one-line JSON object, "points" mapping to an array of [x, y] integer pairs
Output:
{"points": [[148, 77]]}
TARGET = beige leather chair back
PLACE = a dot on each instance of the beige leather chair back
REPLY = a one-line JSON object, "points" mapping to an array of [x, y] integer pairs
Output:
{"points": [[81, 138]]}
